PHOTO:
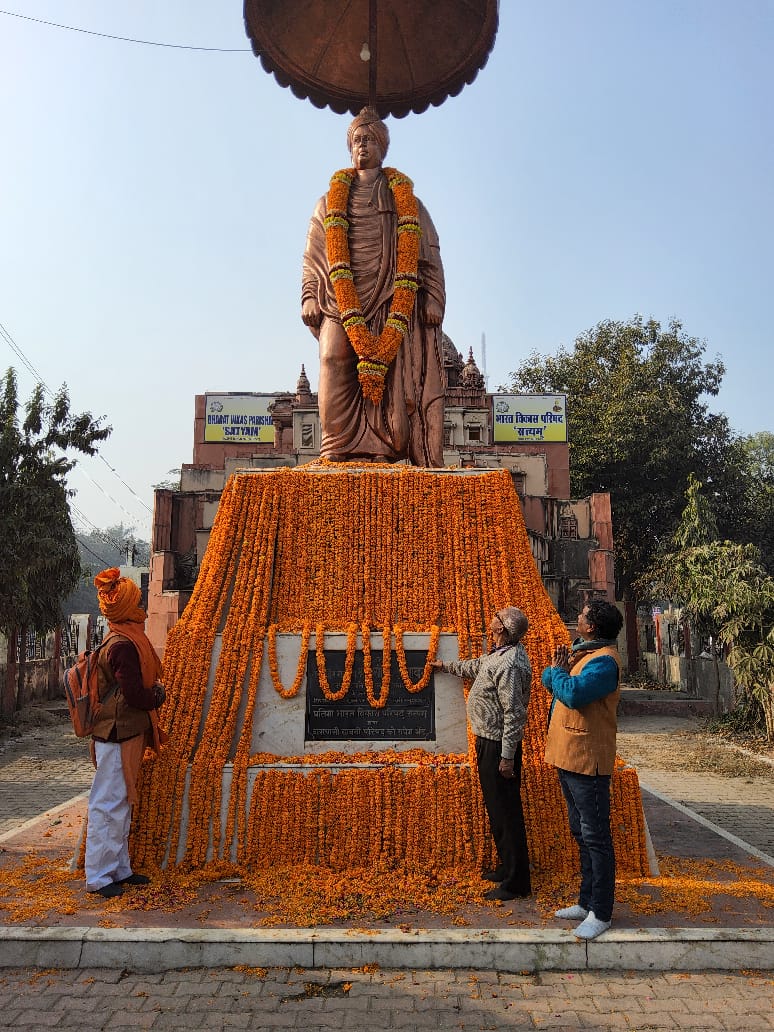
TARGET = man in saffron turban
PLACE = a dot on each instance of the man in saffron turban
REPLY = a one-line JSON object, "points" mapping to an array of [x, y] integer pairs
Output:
{"points": [[130, 693], [381, 383]]}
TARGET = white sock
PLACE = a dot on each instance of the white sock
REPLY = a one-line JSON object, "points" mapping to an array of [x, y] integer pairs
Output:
{"points": [[591, 927]]}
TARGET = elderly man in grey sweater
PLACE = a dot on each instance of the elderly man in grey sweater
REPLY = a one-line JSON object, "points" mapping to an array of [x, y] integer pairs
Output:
{"points": [[497, 714]]}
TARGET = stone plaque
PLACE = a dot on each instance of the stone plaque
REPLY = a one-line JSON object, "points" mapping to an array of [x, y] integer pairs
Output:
{"points": [[406, 717]]}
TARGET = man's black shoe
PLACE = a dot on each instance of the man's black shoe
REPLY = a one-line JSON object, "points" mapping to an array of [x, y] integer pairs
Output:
{"points": [[501, 893], [134, 879], [108, 891]]}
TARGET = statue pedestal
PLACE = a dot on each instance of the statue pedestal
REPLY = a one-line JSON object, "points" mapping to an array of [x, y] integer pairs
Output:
{"points": [[261, 779], [279, 730]]}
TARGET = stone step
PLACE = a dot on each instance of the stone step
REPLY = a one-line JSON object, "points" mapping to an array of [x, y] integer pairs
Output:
{"points": [[650, 702]]}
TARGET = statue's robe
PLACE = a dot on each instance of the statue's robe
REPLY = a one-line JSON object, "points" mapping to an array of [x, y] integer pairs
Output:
{"points": [[408, 422]]}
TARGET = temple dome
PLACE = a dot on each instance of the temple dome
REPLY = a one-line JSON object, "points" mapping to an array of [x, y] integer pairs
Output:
{"points": [[470, 376], [303, 387]]}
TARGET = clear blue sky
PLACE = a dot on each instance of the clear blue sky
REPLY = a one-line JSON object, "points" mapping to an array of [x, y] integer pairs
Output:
{"points": [[613, 157]]}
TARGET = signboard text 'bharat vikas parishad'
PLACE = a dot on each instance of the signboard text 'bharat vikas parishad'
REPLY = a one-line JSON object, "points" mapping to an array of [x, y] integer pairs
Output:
{"points": [[529, 418], [239, 418]]}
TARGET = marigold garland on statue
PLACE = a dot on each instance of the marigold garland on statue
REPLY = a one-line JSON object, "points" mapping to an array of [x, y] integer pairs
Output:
{"points": [[374, 353]]}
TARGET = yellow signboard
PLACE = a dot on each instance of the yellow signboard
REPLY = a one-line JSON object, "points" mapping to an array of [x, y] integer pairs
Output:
{"points": [[529, 418], [239, 418]]}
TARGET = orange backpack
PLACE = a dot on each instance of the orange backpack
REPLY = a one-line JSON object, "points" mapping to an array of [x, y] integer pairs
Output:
{"points": [[81, 688]]}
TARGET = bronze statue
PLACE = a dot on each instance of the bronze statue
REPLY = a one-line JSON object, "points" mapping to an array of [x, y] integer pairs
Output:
{"points": [[381, 368]]}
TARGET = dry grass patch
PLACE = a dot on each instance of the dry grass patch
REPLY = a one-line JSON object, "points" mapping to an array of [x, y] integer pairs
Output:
{"points": [[689, 751]]}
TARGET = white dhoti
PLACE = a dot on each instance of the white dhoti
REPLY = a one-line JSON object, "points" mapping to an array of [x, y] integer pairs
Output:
{"points": [[107, 835]]}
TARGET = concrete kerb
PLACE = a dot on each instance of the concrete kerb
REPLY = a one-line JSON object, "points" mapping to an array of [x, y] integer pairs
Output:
{"points": [[35, 821], [529, 950]]}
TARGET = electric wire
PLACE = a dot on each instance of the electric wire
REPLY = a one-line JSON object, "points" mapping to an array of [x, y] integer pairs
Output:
{"points": [[6, 336], [96, 531], [81, 544], [127, 39], [17, 350]]}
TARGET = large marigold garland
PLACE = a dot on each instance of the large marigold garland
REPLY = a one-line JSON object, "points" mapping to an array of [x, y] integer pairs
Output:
{"points": [[349, 662], [432, 650], [374, 353], [463, 554], [380, 701]]}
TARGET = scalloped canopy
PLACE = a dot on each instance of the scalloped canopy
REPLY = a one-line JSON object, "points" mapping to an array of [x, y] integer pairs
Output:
{"points": [[397, 55]]}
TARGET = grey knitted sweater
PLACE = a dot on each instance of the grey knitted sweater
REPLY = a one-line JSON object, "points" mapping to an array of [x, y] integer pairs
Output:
{"points": [[498, 699]]}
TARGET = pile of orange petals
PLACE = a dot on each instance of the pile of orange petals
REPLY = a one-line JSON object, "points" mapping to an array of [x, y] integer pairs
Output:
{"points": [[42, 891]]}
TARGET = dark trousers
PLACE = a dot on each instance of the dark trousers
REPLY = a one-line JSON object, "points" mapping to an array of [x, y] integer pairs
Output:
{"points": [[588, 808], [502, 798]]}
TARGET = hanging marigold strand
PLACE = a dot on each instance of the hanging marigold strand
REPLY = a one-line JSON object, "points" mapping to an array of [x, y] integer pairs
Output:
{"points": [[368, 670], [288, 693], [349, 663], [432, 650]]}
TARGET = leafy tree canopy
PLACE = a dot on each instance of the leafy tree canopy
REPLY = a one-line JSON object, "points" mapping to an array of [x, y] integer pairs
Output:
{"points": [[725, 591], [754, 518], [638, 425], [39, 562]]}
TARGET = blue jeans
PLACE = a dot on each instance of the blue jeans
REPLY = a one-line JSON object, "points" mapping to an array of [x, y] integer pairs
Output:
{"points": [[588, 809]]}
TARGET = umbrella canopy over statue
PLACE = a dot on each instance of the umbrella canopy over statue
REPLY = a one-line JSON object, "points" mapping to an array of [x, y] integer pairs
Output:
{"points": [[397, 56]]}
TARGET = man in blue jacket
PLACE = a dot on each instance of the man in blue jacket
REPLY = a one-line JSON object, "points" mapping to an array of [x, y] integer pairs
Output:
{"points": [[581, 745]]}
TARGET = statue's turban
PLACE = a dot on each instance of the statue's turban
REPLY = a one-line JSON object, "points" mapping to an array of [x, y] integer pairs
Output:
{"points": [[368, 116]]}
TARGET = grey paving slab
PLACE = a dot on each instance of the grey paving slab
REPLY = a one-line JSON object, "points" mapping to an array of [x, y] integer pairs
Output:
{"points": [[41, 769], [152, 950], [386, 999]]}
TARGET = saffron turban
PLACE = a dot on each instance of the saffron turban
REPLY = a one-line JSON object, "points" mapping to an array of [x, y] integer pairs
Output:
{"points": [[118, 597], [370, 118]]}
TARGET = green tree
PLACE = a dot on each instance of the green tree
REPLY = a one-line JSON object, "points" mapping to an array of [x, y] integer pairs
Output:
{"points": [[698, 525], [638, 425], [39, 562], [756, 487], [725, 590]]}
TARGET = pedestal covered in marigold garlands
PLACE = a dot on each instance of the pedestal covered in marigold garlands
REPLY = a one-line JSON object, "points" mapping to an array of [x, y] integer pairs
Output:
{"points": [[370, 554]]}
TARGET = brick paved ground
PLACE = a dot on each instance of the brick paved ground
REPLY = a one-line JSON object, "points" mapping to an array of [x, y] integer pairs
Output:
{"points": [[742, 806], [279, 998], [49, 766], [40, 769]]}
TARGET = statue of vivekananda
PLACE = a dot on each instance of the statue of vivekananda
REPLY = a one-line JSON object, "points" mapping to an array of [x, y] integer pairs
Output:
{"points": [[373, 294]]}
